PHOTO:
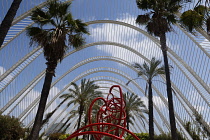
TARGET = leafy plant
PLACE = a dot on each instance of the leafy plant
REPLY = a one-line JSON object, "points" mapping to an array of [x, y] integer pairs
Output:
{"points": [[145, 136], [63, 137], [11, 128], [191, 131], [55, 136], [142, 136]]}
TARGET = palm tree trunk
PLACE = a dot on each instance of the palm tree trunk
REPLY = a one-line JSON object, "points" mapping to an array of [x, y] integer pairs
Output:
{"points": [[80, 117], [7, 21], [51, 65], [127, 121], [128, 125], [151, 123], [168, 83], [86, 120]]}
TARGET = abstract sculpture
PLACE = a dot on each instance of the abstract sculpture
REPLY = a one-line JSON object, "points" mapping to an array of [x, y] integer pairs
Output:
{"points": [[110, 119]]}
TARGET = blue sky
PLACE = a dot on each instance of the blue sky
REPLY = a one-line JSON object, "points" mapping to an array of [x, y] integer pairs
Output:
{"points": [[120, 10]]}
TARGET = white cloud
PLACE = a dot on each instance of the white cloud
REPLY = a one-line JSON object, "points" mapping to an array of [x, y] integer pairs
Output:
{"points": [[33, 94], [205, 44], [126, 36], [201, 109], [2, 70], [156, 101]]}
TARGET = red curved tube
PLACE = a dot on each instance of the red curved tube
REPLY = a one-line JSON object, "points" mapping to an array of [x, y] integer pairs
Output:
{"points": [[112, 112]]}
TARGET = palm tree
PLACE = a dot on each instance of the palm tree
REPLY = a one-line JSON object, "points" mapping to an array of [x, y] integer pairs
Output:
{"points": [[7, 21], [158, 21], [60, 31], [150, 71], [82, 95], [197, 17], [133, 104]]}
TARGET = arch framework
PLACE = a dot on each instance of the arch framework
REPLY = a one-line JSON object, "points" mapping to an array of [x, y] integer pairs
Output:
{"points": [[108, 61]]}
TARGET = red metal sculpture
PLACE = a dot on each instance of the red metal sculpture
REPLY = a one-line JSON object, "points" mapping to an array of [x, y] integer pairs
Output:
{"points": [[110, 119]]}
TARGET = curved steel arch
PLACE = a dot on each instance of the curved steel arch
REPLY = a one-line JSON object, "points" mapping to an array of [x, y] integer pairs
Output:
{"points": [[179, 119], [121, 85], [128, 65], [178, 60], [30, 106], [111, 43], [194, 86], [158, 44], [130, 49], [128, 78], [117, 44], [26, 16], [34, 105]]}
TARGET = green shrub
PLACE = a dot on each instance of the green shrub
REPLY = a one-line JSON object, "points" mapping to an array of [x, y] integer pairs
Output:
{"points": [[63, 137], [142, 136], [145, 136], [11, 128], [163, 137], [168, 137], [55, 136], [60, 136]]}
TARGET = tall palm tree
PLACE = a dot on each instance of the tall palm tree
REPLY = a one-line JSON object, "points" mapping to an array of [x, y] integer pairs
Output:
{"points": [[56, 30], [150, 71], [7, 21], [158, 20], [133, 104], [82, 95], [196, 17]]}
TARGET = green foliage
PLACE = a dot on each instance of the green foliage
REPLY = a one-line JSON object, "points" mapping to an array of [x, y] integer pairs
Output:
{"points": [[54, 136], [142, 136], [163, 137], [168, 137], [191, 19], [64, 32], [196, 17], [11, 128], [133, 104], [75, 139], [63, 137], [82, 95], [191, 131], [145, 136], [159, 16]]}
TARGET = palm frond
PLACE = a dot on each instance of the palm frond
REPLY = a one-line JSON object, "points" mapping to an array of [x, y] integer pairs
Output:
{"points": [[81, 27], [191, 19], [144, 4], [52, 6], [142, 19], [64, 30], [133, 104], [71, 102], [40, 17], [36, 35], [201, 9], [63, 8], [76, 40]]}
